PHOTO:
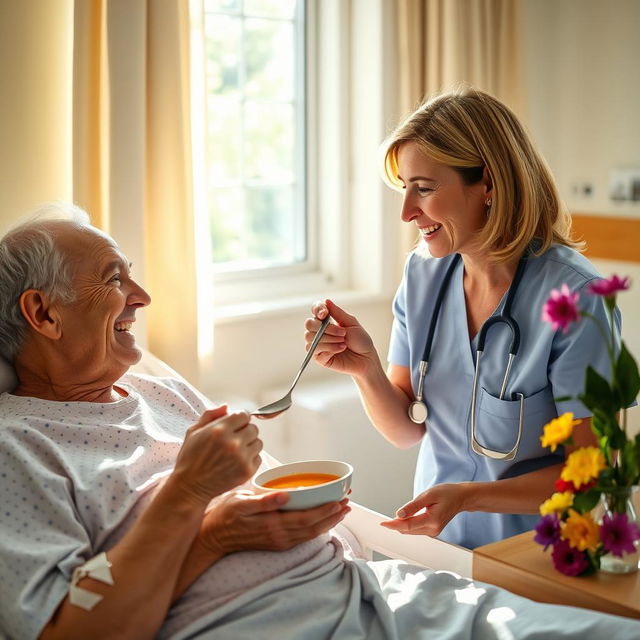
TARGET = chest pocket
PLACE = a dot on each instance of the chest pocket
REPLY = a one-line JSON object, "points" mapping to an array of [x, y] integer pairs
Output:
{"points": [[497, 422]]}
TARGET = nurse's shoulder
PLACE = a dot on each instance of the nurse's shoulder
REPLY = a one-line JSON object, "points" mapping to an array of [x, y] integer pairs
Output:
{"points": [[563, 265], [423, 269]]}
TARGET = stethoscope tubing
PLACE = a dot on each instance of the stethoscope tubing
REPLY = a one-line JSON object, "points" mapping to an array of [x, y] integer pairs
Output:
{"points": [[417, 410]]}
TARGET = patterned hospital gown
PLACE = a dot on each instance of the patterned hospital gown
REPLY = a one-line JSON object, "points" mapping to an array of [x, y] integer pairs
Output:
{"points": [[74, 476]]}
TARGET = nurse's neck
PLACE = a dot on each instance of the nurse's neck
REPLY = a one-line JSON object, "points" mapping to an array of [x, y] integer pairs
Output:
{"points": [[482, 272], [485, 282]]}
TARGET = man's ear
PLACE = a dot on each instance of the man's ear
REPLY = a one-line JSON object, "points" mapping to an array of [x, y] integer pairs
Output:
{"points": [[40, 314]]}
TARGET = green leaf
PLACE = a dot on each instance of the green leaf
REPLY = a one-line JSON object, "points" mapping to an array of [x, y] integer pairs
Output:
{"points": [[563, 399], [598, 394], [630, 459], [583, 502], [606, 424], [627, 376]]}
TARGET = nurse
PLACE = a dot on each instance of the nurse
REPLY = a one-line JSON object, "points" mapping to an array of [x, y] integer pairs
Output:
{"points": [[486, 207]]}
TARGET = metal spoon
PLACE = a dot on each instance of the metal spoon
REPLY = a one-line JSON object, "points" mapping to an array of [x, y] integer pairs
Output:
{"points": [[276, 408]]}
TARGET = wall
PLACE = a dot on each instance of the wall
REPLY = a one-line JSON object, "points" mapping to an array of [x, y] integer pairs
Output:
{"points": [[584, 94], [584, 99]]}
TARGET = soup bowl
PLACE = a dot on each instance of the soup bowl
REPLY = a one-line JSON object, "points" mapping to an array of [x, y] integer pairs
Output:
{"points": [[309, 483]]}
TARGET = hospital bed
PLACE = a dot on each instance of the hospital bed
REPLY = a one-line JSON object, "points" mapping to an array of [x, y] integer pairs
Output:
{"points": [[364, 532], [454, 604]]}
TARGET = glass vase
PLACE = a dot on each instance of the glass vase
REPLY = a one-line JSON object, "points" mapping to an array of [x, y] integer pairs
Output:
{"points": [[615, 502]]}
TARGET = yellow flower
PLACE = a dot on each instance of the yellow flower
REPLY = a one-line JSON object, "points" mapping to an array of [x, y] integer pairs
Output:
{"points": [[558, 502], [581, 531], [583, 465], [558, 430]]}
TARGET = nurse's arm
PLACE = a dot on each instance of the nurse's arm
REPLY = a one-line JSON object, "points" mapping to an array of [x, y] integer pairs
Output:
{"points": [[525, 493], [522, 494], [386, 398]]}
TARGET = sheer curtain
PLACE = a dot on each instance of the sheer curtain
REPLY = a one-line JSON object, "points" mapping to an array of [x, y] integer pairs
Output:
{"points": [[132, 155], [442, 43]]}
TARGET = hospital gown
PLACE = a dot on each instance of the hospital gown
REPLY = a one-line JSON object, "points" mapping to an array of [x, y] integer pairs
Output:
{"points": [[549, 365], [75, 476]]}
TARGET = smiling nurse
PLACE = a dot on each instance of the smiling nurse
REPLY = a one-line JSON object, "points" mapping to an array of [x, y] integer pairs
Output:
{"points": [[494, 243]]}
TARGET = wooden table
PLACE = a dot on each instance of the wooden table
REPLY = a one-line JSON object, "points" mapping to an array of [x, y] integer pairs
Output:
{"points": [[521, 566]]}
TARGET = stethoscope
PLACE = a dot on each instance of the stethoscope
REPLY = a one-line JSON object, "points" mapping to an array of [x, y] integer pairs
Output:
{"points": [[417, 410]]}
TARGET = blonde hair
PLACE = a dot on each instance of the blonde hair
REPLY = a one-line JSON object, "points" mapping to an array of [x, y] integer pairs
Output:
{"points": [[468, 130]]}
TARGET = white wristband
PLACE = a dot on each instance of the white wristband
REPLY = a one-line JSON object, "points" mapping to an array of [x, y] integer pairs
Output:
{"points": [[97, 568]]}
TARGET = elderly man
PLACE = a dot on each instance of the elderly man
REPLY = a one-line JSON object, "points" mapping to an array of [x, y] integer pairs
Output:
{"points": [[86, 448], [122, 510]]}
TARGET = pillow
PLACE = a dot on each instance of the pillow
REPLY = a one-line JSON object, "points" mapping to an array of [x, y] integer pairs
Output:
{"points": [[8, 380]]}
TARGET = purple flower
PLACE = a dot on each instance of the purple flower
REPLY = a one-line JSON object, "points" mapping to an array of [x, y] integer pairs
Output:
{"points": [[560, 309], [547, 530], [618, 534], [608, 287], [568, 560]]}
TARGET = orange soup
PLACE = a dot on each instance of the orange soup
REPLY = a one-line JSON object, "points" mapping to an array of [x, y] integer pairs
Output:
{"points": [[297, 480]]}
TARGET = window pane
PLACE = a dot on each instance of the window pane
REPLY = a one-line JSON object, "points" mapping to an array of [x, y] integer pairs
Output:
{"points": [[230, 6], [224, 142], [255, 134], [223, 38], [271, 220], [268, 142], [227, 224], [269, 59], [270, 8]]}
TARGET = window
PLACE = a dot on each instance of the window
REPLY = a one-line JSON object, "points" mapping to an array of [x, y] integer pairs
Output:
{"points": [[255, 134], [290, 207]]}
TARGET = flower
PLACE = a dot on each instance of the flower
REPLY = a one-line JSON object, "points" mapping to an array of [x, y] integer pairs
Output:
{"points": [[562, 486], [604, 473], [558, 502], [608, 287], [548, 530], [568, 560], [560, 309], [583, 465], [558, 430], [618, 534], [580, 531]]}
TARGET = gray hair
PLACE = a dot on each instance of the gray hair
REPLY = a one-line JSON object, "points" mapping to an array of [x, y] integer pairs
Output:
{"points": [[30, 259]]}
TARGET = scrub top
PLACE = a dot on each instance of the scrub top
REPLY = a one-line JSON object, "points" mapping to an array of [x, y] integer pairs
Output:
{"points": [[549, 365]]}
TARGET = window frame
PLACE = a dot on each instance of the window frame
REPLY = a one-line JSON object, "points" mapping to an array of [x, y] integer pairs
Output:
{"points": [[351, 98]]}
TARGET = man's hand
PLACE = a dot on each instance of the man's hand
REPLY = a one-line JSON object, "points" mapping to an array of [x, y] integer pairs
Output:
{"points": [[241, 520], [220, 452]]}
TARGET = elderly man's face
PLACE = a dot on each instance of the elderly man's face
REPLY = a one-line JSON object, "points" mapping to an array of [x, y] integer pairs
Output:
{"points": [[96, 326]]}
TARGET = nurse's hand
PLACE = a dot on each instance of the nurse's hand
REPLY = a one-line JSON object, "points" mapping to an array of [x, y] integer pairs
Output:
{"points": [[345, 346], [440, 504]]}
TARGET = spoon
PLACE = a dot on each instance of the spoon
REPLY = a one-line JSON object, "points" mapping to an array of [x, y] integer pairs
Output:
{"points": [[276, 408]]}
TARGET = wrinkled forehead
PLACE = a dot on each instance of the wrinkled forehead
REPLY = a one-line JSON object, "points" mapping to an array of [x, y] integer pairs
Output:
{"points": [[88, 250]]}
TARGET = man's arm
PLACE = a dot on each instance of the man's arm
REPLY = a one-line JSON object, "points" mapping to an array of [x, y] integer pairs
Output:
{"points": [[217, 455]]}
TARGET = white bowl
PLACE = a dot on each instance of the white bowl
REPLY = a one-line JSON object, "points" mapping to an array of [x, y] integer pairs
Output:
{"points": [[312, 496]]}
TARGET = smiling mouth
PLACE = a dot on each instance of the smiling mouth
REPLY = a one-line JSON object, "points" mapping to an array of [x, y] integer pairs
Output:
{"points": [[123, 326], [430, 230]]}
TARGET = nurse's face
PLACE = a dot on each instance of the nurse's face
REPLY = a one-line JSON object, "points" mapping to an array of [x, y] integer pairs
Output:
{"points": [[448, 213]]}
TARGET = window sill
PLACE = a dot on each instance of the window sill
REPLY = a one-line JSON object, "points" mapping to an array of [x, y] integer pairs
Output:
{"points": [[226, 314]]}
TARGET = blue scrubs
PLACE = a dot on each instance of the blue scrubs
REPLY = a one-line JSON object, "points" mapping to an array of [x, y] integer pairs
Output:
{"points": [[549, 365]]}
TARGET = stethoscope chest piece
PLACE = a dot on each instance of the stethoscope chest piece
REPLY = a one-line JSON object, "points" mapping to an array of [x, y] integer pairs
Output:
{"points": [[418, 412]]}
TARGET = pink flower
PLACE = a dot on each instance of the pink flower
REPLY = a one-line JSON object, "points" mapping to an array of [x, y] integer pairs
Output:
{"points": [[608, 287], [568, 560], [560, 309], [618, 534]]}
